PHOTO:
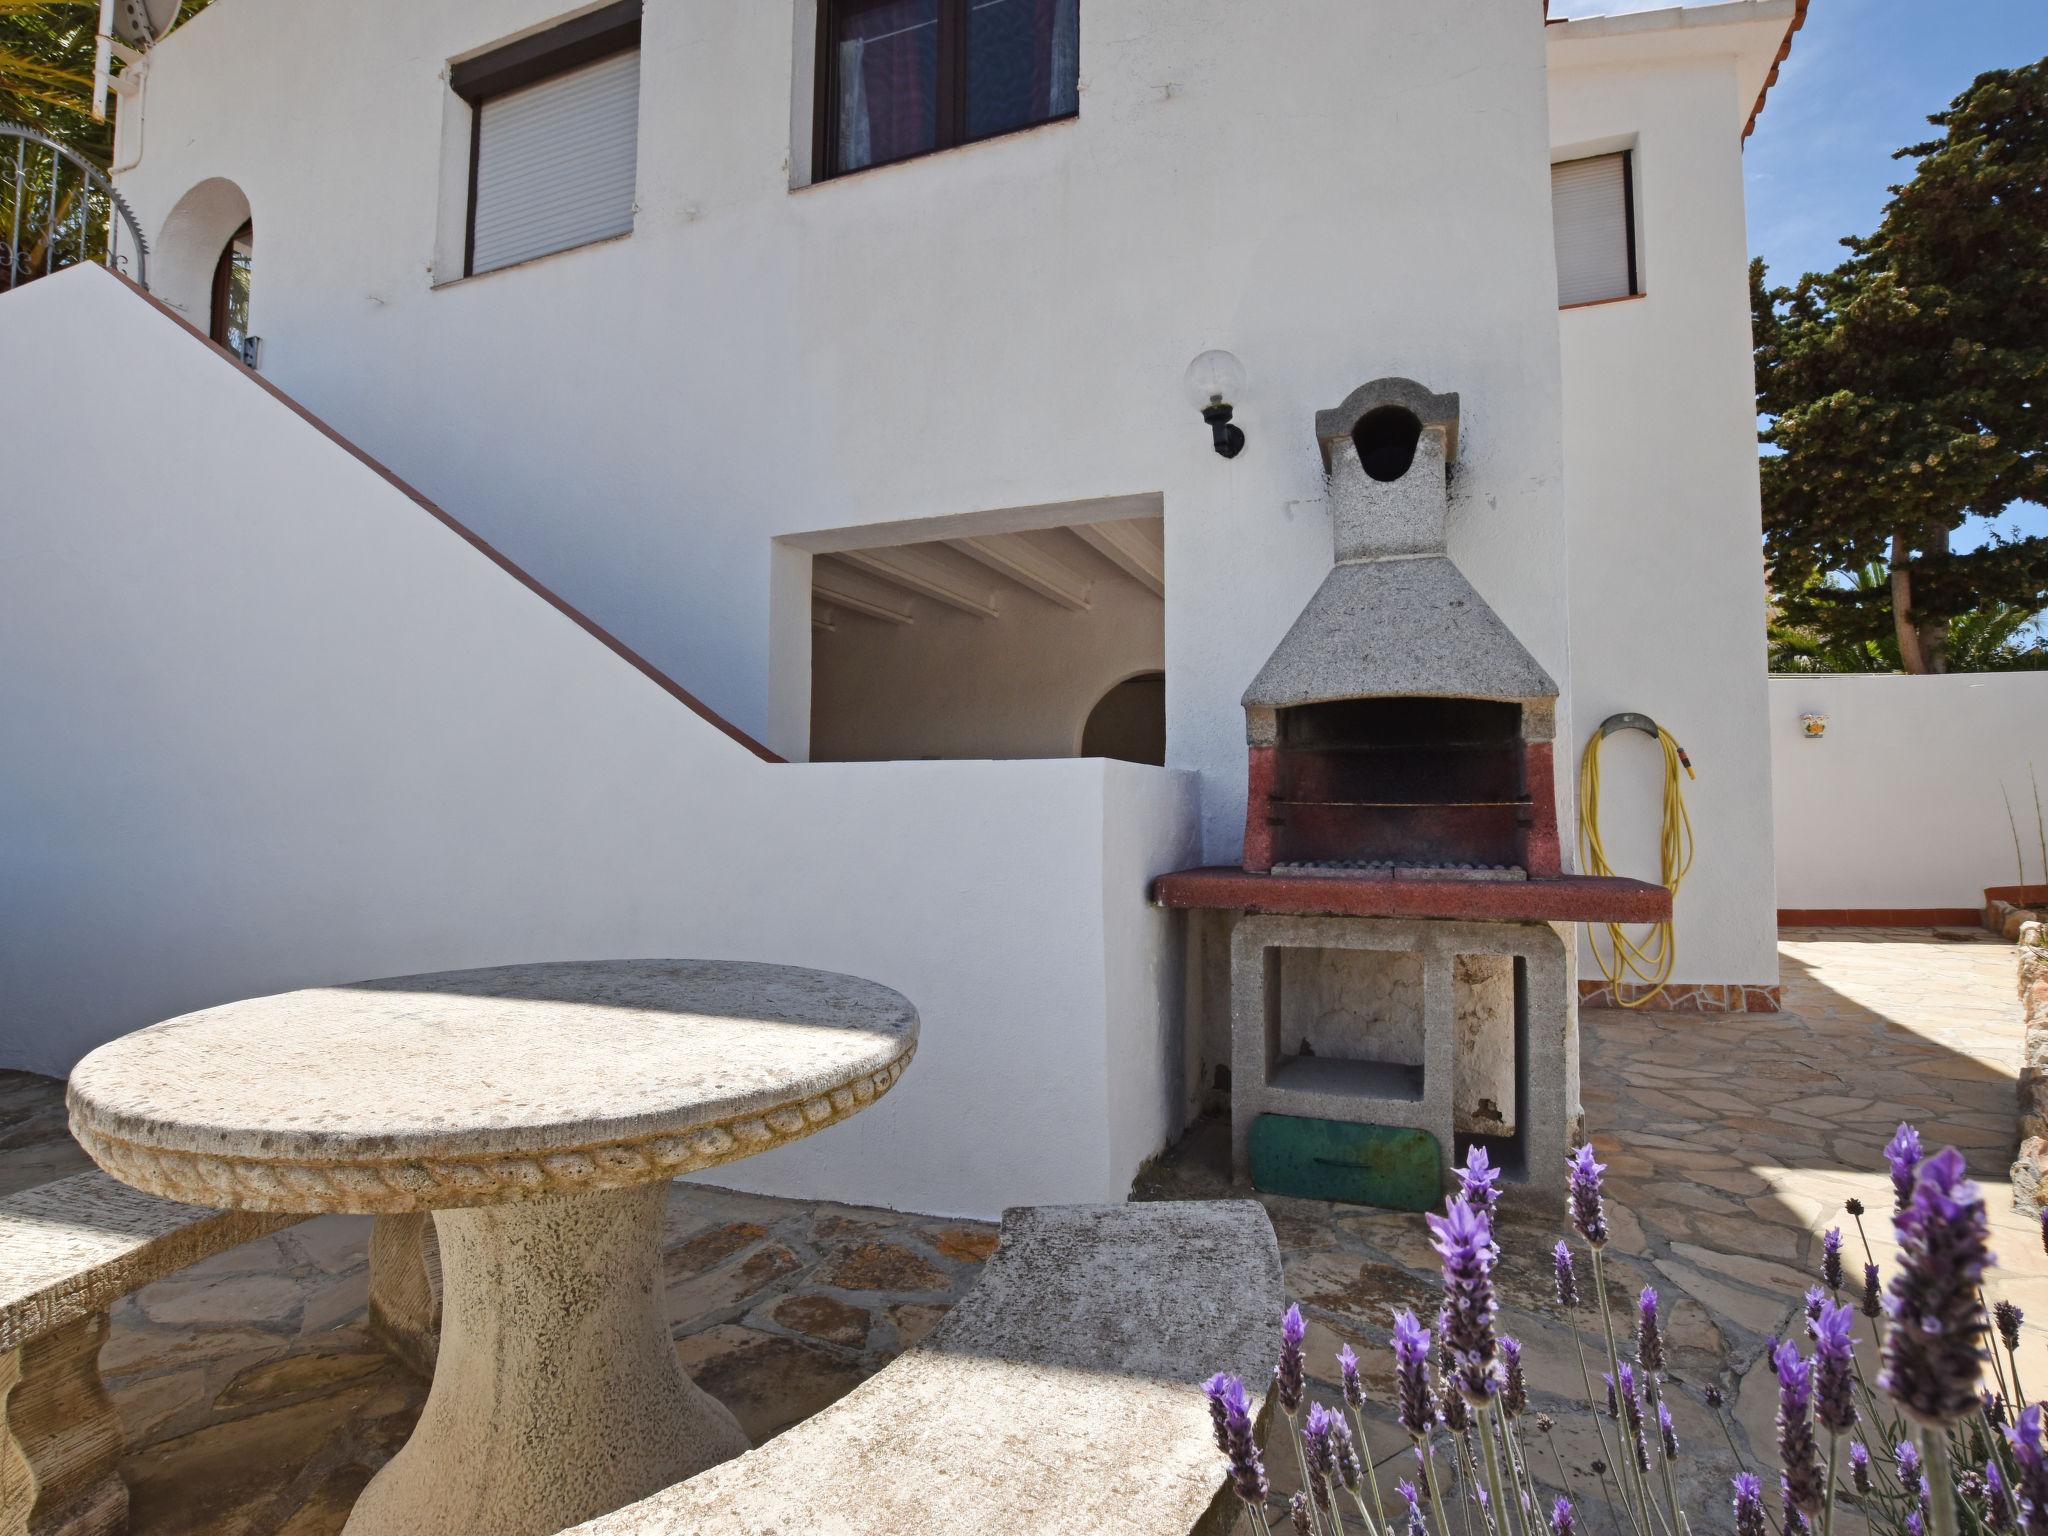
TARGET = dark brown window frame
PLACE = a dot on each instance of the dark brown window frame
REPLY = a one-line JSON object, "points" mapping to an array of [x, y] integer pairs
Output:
{"points": [[223, 279], [586, 39], [1628, 218], [950, 130]]}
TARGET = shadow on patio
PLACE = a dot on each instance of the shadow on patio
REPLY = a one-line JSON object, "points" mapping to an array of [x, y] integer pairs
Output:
{"points": [[257, 1405]]}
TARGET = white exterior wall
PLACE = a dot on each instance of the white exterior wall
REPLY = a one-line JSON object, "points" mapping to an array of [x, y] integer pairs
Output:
{"points": [[1660, 458], [1333, 191], [272, 725], [1899, 804]]}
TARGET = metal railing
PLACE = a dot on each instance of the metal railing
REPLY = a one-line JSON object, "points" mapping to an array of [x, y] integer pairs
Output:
{"points": [[58, 209]]}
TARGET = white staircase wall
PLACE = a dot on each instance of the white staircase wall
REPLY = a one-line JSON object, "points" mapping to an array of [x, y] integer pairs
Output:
{"points": [[272, 724]]}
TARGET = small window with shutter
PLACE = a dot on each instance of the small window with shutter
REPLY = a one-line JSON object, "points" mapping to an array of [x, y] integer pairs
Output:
{"points": [[1593, 207], [554, 138]]}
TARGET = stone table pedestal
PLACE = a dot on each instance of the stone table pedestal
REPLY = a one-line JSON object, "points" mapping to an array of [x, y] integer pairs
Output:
{"points": [[539, 1112]]}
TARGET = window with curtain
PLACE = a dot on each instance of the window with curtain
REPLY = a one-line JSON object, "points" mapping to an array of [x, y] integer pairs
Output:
{"points": [[1592, 204], [899, 78], [554, 147]]}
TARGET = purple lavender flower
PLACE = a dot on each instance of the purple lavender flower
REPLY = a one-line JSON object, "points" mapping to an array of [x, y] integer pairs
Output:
{"points": [[2009, 1318], [1649, 1341], [1219, 1424], [1994, 1408], [1916, 1525], [1415, 1524], [1798, 1455], [1834, 1346], [1411, 1375], [1997, 1504], [1349, 1472], [1903, 1153], [1452, 1409], [1613, 1401], [1907, 1454], [1479, 1180], [1749, 1505], [1288, 1374], [1853, 1206], [1589, 1215], [1713, 1397], [1231, 1409], [1816, 1298], [1632, 1415], [2044, 1229], [1667, 1432], [1873, 1293], [1561, 1521], [1859, 1465], [1567, 1274], [1320, 1453], [1347, 1368], [1831, 1259], [1514, 1397], [2030, 1491], [1932, 1361], [1298, 1514], [1464, 1237]]}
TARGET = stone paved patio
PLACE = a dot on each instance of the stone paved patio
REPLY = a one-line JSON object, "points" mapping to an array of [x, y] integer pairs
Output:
{"points": [[1731, 1141], [256, 1404]]}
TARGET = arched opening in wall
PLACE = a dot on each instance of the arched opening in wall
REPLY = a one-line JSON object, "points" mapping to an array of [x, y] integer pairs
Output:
{"points": [[991, 635], [1130, 722], [1385, 438], [230, 308], [194, 247]]}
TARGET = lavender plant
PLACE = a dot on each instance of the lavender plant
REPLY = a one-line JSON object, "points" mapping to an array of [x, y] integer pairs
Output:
{"points": [[1956, 1455]]}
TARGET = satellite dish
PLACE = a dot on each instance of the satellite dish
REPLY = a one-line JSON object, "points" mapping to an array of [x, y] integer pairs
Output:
{"points": [[139, 23]]}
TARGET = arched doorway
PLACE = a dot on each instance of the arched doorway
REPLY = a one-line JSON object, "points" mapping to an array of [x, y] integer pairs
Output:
{"points": [[1129, 722], [201, 266]]}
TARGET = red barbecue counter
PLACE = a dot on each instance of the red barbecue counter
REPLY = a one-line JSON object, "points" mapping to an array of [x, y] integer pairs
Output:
{"points": [[1562, 899]]}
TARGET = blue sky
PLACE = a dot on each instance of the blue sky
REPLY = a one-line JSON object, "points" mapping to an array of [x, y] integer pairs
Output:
{"points": [[1863, 76]]}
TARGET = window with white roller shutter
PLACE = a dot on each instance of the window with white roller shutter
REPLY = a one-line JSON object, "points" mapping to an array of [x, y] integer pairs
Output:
{"points": [[554, 140], [1593, 211]]}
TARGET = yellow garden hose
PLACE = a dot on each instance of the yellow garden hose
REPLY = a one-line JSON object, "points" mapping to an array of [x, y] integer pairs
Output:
{"points": [[1647, 961]]}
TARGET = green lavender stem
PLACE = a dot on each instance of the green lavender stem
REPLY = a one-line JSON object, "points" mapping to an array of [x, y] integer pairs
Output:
{"points": [[1941, 1488], [1372, 1476]]}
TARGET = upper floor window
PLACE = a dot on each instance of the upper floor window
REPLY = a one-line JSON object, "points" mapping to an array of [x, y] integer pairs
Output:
{"points": [[1593, 206], [898, 78], [554, 138]]}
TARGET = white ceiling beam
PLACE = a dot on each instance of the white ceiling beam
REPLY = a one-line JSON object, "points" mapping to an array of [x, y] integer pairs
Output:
{"points": [[833, 583], [1128, 545], [916, 571], [1011, 555]]}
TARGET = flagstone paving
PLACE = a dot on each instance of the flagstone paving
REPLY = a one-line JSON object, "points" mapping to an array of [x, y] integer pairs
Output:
{"points": [[256, 1404], [1731, 1143]]}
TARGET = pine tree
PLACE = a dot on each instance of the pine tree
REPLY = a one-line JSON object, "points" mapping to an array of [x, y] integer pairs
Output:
{"points": [[1904, 391]]}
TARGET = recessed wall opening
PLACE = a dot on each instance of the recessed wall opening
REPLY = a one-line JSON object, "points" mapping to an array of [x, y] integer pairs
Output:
{"points": [[992, 642], [1386, 439]]}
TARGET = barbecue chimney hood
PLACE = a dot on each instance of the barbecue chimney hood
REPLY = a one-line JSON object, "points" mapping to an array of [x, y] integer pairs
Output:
{"points": [[1400, 730], [1394, 618]]}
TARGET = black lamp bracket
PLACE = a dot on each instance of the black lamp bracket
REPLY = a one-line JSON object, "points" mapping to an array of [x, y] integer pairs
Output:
{"points": [[1229, 438]]}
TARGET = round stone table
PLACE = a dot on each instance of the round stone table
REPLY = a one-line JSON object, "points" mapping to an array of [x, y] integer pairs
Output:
{"points": [[539, 1111]]}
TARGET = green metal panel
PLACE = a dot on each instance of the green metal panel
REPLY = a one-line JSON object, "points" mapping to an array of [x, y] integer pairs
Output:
{"points": [[1383, 1165]]}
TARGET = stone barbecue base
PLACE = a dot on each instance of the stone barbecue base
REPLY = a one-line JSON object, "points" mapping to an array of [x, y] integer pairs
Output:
{"points": [[1687, 997]]}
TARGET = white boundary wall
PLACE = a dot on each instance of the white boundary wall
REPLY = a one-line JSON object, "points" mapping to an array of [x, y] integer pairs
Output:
{"points": [[272, 725], [1898, 804]]}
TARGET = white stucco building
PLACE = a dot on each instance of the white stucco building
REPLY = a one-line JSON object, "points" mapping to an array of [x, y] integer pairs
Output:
{"points": [[892, 469]]}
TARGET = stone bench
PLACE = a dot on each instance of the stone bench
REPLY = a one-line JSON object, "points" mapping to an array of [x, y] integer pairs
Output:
{"points": [[1062, 1394], [68, 1251]]}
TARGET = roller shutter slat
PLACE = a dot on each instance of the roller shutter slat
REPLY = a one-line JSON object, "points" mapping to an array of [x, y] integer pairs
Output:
{"points": [[555, 163]]}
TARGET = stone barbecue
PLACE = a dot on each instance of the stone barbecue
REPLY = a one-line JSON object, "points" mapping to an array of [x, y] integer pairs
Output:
{"points": [[1399, 932]]}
